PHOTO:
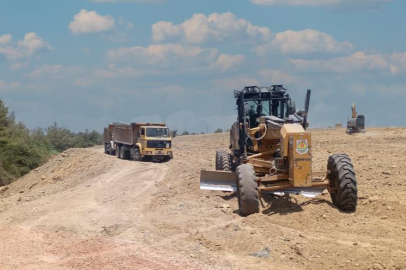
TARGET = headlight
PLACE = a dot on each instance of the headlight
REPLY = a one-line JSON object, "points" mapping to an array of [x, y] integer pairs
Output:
{"points": [[169, 152]]}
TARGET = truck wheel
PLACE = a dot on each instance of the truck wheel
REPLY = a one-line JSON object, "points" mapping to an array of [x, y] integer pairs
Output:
{"points": [[118, 151], [112, 151], [123, 153], [248, 197], [137, 155], [343, 183], [105, 148]]}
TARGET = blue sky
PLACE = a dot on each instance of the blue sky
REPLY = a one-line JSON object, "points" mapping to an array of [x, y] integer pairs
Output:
{"points": [[86, 63]]}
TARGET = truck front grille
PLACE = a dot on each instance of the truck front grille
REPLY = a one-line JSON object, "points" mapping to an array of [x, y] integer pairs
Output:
{"points": [[158, 144]]}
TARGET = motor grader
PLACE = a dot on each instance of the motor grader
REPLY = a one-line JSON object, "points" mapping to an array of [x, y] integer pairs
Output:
{"points": [[271, 152]]}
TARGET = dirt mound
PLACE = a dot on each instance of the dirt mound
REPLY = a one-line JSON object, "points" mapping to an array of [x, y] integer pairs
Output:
{"points": [[87, 210]]}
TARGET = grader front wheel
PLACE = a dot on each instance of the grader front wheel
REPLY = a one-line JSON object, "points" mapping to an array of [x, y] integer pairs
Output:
{"points": [[247, 190], [343, 183]]}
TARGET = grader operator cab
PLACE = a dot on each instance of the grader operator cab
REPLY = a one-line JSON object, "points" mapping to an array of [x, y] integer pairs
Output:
{"points": [[271, 152]]}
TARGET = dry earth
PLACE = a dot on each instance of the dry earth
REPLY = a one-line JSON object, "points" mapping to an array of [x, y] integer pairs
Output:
{"points": [[87, 210]]}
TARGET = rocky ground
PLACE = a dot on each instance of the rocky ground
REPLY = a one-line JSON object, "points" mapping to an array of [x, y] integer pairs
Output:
{"points": [[87, 210]]}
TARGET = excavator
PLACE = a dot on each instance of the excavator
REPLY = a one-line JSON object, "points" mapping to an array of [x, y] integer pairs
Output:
{"points": [[356, 123]]}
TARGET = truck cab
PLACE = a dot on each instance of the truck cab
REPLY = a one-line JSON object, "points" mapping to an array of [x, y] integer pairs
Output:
{"points": [[156, 142]]}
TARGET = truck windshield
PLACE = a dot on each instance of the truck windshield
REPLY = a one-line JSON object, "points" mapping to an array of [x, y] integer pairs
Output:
{"points": [[158, 132]]}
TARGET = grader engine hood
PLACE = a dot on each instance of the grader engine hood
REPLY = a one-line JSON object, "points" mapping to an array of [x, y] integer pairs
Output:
{"points": [[296, 147]]}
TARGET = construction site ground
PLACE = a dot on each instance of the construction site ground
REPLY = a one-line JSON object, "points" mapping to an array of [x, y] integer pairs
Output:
{"points": [[87, 210]]}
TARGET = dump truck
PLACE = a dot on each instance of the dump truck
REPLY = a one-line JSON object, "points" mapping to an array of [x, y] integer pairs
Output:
{"points": [[271, 153], [356, 123], [141, 141]]}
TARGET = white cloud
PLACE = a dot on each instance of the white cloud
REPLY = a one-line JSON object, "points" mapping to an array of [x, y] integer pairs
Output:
{"points": [[167, 54], [236, 83], [276, 76], [30, 45], [213, 28], [5, 86], [319, 3], [265, 77], [86, 22], [358, 61], [114, 72], [18, 65], [305, 41], [46, 70], [5, 39], [184, 58], [226, 62]]}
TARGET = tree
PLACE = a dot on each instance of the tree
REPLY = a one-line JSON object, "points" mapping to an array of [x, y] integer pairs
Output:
{"points": [[219, 130], [22, 150], [185, 133]]}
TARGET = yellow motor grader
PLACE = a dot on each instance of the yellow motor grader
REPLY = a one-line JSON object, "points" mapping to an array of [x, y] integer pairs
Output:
{"points": [[271, 152]]}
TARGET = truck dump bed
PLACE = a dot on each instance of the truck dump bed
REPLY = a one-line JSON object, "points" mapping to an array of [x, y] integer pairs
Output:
{"points": [[108, 133]]}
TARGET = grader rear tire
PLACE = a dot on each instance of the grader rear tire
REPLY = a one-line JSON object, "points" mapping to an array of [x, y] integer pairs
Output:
{"points": [[247, 190], [343, 182], [223, 161], [218, 160]]}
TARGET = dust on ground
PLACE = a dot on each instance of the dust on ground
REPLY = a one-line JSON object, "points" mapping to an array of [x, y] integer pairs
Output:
{"points": [[87, 210]]}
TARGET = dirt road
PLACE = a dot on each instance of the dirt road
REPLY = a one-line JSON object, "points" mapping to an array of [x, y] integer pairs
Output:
{"points": [[87, 210]]}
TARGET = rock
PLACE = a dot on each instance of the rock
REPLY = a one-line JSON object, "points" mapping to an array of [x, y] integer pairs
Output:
{"points": [[373, 199], [3, 189], [298, 250], [302, 235], [64, 154], [384, 217], [21, 191], [263, 253], [224, 206], [355, 244], [386, 173], [43, 177], [377, 266]]}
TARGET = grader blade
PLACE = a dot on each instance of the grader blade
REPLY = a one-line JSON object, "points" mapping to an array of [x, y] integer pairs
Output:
{"points": [[218, 180]]}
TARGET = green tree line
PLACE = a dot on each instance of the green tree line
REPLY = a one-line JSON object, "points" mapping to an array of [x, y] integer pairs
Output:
{"points": [[22, 150]]}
